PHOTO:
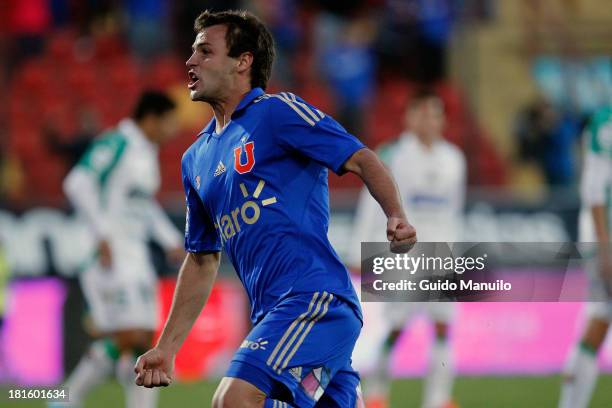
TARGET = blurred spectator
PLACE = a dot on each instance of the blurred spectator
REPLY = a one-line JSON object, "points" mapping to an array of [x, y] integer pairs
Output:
{"points": [[85, 15], [147, 27], [12, 179], [60, 12], [548, 137], [281, 18], [414, 35], [2, 177], [341, 8], [27, 23], [584, 84], [548, 20], [349, 67], [185, 13], [479, 10]]}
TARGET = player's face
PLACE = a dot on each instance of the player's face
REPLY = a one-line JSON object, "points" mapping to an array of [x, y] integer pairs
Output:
{"points": [[168, 126], [160, 128], [432, 117], [210, 69], [427, 118]]}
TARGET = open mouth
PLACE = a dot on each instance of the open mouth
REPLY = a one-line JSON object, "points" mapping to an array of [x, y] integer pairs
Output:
{"points": [[193, 80]]}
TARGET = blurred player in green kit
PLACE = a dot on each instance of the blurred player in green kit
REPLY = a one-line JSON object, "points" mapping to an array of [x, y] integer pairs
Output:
{"points": [[580, 373]]}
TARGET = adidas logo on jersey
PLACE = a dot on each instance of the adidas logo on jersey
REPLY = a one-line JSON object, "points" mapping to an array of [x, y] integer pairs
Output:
{"points": [[220, 169]]}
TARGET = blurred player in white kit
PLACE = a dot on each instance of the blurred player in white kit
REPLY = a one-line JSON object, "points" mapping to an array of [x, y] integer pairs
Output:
{"points": [[113, 187], [580, 372], [431, 176]]}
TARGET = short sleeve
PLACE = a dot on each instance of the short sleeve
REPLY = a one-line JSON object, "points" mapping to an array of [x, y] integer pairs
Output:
{"points": [[595, 179], [302, 128], [103, 156], [598, 133], [200, 232]]}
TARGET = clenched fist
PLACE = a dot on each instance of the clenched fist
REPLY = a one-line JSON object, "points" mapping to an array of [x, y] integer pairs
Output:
{"points": [[155, 368], [401, 234]]}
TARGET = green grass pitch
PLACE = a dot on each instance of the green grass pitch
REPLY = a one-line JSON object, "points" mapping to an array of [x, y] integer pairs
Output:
{"points": [[470, 392]]}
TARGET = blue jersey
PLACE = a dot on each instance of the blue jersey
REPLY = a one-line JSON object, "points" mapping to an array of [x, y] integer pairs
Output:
{"points": [[259, 191]]}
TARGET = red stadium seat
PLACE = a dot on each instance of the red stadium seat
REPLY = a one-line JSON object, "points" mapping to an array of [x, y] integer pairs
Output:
{"points": [[60, 46], [32, 75], [317, 93], [165, 72]]}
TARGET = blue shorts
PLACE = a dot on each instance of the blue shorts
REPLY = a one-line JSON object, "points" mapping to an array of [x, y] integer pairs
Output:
{"points": [[300, 352]]}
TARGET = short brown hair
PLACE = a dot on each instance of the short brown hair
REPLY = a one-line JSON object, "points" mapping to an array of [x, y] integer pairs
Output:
{"points": [[245, 33], [423, 94], [154, 103]]}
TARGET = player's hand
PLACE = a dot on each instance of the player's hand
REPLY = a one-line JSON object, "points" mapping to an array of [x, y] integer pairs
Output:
{"points": [[155, 368], [105, 254], [401, 234], [605, 269]]}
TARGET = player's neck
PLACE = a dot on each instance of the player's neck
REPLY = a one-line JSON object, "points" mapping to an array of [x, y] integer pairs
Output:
{"points": [[224, 109], [222, 119], [426, 142]]}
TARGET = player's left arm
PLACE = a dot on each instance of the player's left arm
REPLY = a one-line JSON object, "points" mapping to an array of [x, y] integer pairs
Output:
{"points": [[379, 181], [300, 127], [366, 226]]}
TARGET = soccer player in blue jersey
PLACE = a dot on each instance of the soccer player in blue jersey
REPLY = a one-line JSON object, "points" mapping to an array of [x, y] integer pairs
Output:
{"points": [[256, 185]]}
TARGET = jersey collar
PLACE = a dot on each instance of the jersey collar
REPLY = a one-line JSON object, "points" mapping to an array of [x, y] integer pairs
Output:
{"points": [[248, 98], [408, 138], [246, 101]]}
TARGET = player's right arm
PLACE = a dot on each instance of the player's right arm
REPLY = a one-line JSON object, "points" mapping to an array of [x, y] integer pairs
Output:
{"points": [[87, 186], [195, 282], [596, 181], [196, 279]]}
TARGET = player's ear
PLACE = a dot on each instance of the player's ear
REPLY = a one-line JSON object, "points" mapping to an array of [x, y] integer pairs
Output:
{"points": [[245, 60]]}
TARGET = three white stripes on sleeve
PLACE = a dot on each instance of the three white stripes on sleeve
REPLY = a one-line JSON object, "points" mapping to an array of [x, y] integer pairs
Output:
{"points": [[310, 115]]}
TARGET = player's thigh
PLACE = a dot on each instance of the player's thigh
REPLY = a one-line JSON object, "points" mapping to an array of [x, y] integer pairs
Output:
{"points": [[133, 339], [599, 306], [596, 331], [137, 308], [118, 304], [397, 315], [99, 295], [441, 312], [235, 392], [292, 354], [370, 345], [343, 390]]}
